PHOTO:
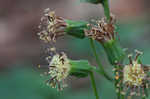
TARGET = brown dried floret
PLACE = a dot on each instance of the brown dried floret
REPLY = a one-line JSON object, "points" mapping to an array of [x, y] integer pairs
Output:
{"points": [[103, 30], [51, 26]]}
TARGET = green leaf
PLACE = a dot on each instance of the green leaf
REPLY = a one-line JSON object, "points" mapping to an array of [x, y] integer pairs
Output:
{"points": [[92, 1], [80, 68], [76, 28]]}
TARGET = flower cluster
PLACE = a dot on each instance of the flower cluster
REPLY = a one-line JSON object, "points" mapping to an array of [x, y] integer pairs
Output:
{"points": [[59, 68], [134, 77], [51, 26], [130, 79], [103, 31]]}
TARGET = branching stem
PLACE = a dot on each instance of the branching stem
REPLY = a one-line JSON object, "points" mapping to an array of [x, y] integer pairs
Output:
{"points": [[105, 4], [101, 69]]}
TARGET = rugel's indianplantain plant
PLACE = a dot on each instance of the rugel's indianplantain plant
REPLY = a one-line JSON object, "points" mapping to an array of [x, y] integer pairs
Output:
{"points": [[129, 80], [60, 66]]}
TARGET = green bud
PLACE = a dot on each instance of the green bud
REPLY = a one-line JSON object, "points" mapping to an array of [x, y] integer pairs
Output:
{"points": [[114, 51], [76, 28], [80, 68]]}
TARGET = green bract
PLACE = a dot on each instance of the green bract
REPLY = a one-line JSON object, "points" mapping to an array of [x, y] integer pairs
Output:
{"points": [[114, 51], [80, 68], [76, 28], [92, 1]]}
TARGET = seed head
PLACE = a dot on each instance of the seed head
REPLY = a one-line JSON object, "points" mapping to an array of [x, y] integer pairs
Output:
{"points": [[103, 30], [51, 26]]}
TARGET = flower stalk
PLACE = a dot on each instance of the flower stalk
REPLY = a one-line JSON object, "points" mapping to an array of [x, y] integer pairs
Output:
{"points": [[94, 85], [105, 4], [101, 69], [114, 52]]}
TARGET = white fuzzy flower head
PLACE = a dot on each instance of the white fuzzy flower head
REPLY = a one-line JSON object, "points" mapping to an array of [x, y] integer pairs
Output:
{"points": [[59, 68], [133, 74], [135, 77]]}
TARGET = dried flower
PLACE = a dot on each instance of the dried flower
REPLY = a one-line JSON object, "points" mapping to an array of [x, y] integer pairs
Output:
{"points": [[103, 31], [51, 26], [59, 68], [135, 77]]}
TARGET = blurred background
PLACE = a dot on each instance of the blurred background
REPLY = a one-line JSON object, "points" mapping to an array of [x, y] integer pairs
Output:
{"points": [[21, 51]]}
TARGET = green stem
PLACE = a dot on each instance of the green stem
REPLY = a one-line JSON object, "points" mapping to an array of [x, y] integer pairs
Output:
{"points": [[101, 69], [118, 96], [122, 96], [94, 85], [143, 98], [105, 4]]}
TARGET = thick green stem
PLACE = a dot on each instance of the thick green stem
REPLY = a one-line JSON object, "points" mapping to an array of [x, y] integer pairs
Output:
{"points": [[94, 85], [101, 69], [119, 54], [105, 4], [114, 51]]}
